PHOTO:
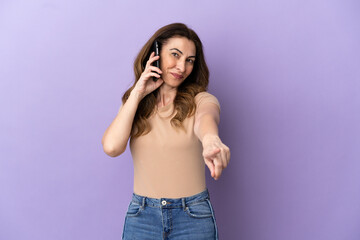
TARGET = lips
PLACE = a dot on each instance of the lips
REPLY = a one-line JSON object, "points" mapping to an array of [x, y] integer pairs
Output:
{"points": [[177, 76]]}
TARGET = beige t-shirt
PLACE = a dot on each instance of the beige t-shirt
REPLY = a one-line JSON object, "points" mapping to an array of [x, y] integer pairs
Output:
{"points": [[168, 162]]}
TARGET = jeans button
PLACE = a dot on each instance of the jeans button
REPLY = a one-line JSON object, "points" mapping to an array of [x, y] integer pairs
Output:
{"points": [[163, 202]]}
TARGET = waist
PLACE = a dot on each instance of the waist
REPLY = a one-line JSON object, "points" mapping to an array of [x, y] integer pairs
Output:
{"points": [[170, 202]]}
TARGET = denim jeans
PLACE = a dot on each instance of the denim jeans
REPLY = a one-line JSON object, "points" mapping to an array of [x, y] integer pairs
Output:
{"points": [[170, 218]]}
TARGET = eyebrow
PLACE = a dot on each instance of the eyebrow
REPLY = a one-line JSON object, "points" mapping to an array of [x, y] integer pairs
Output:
{"points": [[181, 52]]}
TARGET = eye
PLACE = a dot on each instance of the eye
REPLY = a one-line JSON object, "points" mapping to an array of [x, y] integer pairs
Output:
{"points": [[190, 60], [175, 54]]}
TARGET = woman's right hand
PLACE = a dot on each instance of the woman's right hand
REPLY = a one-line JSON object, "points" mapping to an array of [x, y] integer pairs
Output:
{"points": [[145, 84]]}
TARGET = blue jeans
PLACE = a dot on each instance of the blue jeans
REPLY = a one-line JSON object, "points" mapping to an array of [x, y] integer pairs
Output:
{"points": [[170, 218]]}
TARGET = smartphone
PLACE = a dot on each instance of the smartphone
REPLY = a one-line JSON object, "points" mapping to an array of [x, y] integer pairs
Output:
{"points": [[156, 49]]}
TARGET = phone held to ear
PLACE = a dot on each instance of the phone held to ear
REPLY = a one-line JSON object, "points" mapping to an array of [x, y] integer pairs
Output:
{"points": [[156, 49]]}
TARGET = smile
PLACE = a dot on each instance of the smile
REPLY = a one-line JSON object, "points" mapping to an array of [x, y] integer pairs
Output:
{"points": [[177, 76]]}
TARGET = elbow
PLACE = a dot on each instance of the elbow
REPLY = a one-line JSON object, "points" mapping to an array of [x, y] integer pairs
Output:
{"points": [[112, 151]]}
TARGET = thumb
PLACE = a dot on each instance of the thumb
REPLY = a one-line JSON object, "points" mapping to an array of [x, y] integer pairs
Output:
{"points": [[158, 83], [212, 153]]}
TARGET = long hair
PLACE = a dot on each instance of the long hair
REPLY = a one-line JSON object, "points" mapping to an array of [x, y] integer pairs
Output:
{"points": [[184, 103]]}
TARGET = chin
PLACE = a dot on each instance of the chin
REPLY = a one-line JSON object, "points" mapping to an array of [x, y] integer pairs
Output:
{"points": [[174, 83]]}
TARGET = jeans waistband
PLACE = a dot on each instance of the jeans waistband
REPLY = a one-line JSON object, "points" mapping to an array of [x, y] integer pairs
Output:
{"points": [[171, 202]]}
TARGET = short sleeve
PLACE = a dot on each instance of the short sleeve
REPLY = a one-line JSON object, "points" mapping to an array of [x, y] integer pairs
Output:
{"points": [[205, 97]]}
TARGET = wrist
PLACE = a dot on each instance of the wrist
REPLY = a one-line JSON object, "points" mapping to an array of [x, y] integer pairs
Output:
{"points": [[210, 137], [135, 96]]}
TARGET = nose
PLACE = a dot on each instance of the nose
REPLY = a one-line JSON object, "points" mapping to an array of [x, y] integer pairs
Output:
{"points": [[181, 66]]}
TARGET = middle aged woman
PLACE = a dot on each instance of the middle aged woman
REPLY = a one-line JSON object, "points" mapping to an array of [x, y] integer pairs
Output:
{"points": [[172, 124]]}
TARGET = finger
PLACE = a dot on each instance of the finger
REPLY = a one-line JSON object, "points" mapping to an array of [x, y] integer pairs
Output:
{"points": [[228, 155], [158, 83], [212, 153], [223, 158], [211, 166], [147, 62], [152, 54], [153, 68], [151, 59], [218, 169], [152, 74]]}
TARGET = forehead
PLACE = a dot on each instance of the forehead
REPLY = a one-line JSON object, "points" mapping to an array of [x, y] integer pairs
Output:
{"points": [[183, 44]]}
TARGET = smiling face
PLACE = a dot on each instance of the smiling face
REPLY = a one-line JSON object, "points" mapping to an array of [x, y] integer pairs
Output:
{"points": [[177, 58]]}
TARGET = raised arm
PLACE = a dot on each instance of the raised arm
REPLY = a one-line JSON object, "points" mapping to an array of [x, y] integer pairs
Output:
{"points": [[216, 154], [116, 136]]}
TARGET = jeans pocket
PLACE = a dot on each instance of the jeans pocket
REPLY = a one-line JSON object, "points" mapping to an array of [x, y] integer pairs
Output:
{"points": [[199, 209], [134, 209]]}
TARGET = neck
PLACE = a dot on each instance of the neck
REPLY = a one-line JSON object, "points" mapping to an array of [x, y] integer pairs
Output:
{"points": [[166, 95]]}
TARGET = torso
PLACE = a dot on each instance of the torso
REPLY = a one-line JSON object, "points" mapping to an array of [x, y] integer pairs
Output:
{"points": [[168, 162]]}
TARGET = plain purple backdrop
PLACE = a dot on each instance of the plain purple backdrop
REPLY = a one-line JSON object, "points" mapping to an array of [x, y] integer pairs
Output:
{"points": [[287, 75]]}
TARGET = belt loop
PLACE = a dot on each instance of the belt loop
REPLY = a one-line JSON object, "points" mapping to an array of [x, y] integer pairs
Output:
{"points": [[183, 203], [143, 203]]}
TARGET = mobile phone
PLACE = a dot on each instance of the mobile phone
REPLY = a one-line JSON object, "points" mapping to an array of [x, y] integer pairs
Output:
{"points": [[156, 49]]}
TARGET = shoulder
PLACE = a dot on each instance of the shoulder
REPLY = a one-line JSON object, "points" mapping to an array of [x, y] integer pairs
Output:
{"points": [[205, 97]]}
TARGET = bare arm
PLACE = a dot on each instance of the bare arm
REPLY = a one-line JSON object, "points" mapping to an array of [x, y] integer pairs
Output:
{"points": [[207, 120], [117, 134], [216, 154]]}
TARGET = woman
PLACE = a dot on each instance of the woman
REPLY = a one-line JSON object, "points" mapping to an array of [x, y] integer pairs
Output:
{"points": [[172, 123]]}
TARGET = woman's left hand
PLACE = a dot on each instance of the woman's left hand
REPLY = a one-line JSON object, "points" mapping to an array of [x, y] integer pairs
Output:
{"points": [[216, 154]]}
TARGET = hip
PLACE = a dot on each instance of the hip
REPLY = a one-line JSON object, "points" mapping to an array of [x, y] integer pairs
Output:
{"points": [[191, 217]]}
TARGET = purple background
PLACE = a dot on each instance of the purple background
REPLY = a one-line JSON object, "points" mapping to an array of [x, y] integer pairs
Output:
{"points": [[285, 72]]}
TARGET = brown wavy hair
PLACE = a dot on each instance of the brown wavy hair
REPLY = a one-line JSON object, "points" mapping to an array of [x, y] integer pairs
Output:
{"points": [[184, 103]]}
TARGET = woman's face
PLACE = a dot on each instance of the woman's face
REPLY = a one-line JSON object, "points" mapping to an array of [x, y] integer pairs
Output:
{"points": [[177, 58]]}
